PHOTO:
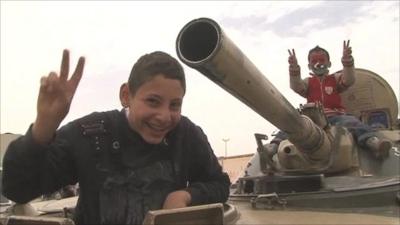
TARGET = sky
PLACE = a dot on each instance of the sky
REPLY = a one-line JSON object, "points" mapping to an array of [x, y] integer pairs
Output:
{"points": [[112, 35]]}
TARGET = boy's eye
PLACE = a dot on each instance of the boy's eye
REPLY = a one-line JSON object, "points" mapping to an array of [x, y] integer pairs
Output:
{"points": [[152, 101], [314, 61], [318, 60], [176, 105]]}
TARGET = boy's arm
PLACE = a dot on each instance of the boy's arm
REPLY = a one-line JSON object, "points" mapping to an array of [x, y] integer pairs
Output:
{"points": [[207, 182], [296, 83], [31, 169], [54, 100], [347, 77], [33, 162]]}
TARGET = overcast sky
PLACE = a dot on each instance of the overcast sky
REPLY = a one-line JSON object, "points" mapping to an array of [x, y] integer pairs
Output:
{"points": [[112, 35]]}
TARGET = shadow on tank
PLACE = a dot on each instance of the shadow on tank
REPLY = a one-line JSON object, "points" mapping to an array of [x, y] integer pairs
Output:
{"points": [[318, 170]]}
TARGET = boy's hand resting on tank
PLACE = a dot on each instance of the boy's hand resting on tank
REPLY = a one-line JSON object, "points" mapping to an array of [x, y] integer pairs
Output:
{"points": [[177, 199]]}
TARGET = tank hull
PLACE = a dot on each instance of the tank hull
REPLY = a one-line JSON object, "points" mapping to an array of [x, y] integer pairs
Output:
{"points": [[248, 215]]}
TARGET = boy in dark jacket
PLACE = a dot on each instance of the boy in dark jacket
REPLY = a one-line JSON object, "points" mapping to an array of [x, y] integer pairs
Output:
{"points": [[146, 156]]}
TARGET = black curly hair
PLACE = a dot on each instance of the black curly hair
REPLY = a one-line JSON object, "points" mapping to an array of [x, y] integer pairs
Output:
{"points": [[152, 64], [317, 48]]}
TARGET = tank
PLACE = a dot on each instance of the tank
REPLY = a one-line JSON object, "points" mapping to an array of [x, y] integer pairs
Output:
{"points": [[318, 175]]}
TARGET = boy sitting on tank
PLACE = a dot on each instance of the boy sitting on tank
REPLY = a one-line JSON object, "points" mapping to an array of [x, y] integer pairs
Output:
{"points": [[325, 88]]}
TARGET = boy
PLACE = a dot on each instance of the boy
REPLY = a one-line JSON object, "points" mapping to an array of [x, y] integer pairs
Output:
{"points": [[325, 88], [146, 156]]}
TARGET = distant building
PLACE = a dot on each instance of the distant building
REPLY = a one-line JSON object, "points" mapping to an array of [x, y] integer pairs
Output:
{"points": [[234, 166]]}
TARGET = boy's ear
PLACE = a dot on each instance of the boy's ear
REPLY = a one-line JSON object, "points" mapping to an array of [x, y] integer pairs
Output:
{"points": [[124, 95]]}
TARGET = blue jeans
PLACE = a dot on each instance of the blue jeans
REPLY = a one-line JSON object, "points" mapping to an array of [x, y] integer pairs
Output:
{"points": [[360, 131]]}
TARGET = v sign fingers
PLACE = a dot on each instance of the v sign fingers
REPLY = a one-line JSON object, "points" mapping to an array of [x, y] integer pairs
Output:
{"points": [[64, 70], [55, 97], [346, 44], [292, 57], [347, 58], [77, 75], [292, 53], [346, 49]]}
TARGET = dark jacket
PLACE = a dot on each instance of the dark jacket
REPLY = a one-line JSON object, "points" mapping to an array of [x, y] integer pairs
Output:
{"points": [[115, 167]]}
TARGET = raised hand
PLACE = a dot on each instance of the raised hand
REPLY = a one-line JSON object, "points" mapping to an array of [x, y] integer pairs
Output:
{"points": [[294, 68], [55, 97], [347, 58], [346, 49], [292, 58]]}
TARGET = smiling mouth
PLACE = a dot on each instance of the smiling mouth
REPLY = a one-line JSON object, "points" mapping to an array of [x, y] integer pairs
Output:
{"points": [[157, 128]]}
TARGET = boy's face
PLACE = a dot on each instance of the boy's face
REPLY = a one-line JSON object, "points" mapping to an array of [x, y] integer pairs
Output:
{"points": [[155, 109], [319, 63]]}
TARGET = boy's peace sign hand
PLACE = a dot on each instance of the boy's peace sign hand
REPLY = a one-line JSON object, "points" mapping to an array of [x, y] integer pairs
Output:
{"points": [[292, 58], [346, 50], [55, 97], [347, 58]]}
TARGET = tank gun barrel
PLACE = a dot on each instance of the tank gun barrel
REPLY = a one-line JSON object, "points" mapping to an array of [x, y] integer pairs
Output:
{"points": [[203, 45]]}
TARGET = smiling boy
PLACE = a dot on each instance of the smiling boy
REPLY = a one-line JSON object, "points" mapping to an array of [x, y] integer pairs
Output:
{"points": [[146, 156]]}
